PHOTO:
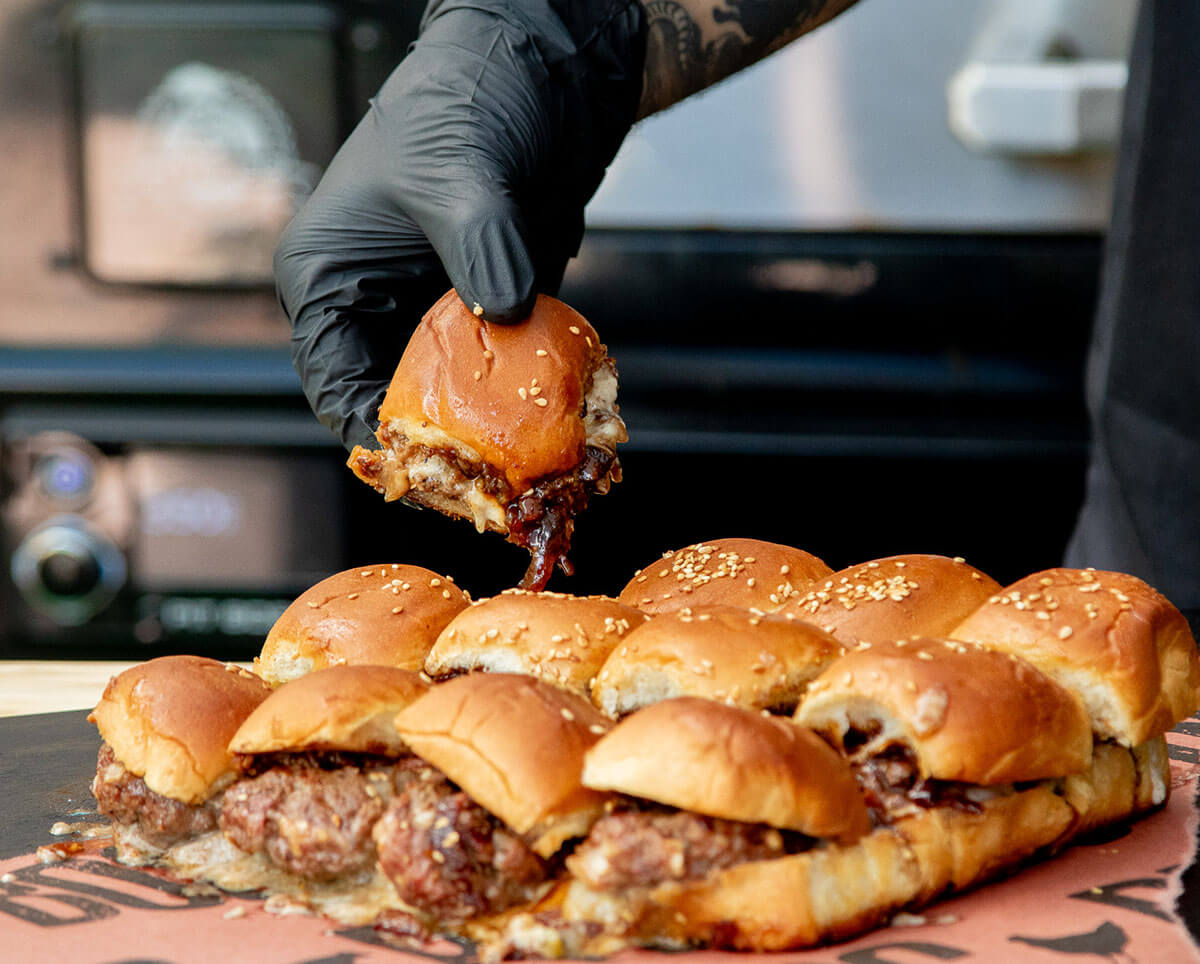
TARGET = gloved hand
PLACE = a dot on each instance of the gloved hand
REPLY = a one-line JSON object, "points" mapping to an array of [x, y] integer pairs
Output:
{"points": [[478, 154]]}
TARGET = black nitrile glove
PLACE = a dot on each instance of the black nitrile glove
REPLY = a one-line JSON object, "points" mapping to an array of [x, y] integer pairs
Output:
{"points": [[478, 154]]}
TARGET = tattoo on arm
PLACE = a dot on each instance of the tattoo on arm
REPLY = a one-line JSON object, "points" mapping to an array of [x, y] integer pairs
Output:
{"points": [[694, 43]]}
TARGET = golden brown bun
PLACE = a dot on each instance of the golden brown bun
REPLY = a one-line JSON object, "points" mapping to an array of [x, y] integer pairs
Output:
{"points": [[348, 708], [169, 721], [516, 746], [495, 414], [380, 615], [558, 638], [764, 905], [747, 573], [1121, 783], [1120, 645], [719, 652], [730, 762], [897, 597], [957, 849], [968, 714]]}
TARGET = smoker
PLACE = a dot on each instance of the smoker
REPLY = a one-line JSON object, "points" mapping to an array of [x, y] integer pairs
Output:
{"points": [[856, 327]]}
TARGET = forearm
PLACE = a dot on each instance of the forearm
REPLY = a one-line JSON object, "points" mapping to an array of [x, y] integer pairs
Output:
{"points": [[695, 43]]}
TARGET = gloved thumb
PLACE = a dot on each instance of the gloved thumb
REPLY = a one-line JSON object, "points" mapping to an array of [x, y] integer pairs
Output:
{"points": [[485, 251]]}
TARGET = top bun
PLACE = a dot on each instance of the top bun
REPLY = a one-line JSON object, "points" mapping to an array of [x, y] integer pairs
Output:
{"points": [[558, 638], [967, 714], [898, 597], [1108, 636], [512, 394], [730, 762], [719, 652], [747, 573], [170, 720], [382, 615], [347, 708], [516, 746]]}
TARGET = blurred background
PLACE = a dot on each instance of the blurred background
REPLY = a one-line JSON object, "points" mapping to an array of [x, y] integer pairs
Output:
{"points": [[848, 292]]}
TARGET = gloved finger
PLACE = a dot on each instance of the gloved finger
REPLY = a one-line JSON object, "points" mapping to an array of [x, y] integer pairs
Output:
{"points": [[486, 255], [354, 284]]}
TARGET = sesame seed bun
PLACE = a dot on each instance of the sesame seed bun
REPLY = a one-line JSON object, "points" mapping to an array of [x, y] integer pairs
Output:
{"points": [[747, 573], [381, 615], [558, 638], [347, 708], [730, 762], [1108, 636], [169, 721], [719, 652], [515, 745], [477, 414], [435, 383], [897, 597], [966, 713]]}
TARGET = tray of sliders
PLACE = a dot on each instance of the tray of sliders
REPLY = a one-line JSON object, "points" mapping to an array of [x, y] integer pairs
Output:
{"points": [[742, 750]]}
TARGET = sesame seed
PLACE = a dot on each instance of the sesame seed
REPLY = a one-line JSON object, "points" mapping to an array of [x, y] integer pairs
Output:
{"points": [[567, 715], [535, 391], [397, 610], [435, 582], [541, 353], [750, 582], [1065, 632], [574, 330], [477, 311], [478, 375], [313, 605], [488, 354], [924, 655], [451, 839], [352, 595], [445, 593], [438, 856], [522, 392], [541, 402], [365, 572]]}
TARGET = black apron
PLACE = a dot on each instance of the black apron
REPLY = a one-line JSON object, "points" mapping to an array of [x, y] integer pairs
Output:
{"points": [[1141, 511]]}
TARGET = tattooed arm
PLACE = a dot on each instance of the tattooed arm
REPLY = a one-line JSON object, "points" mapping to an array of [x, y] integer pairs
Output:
{"points": [[695, 43]]}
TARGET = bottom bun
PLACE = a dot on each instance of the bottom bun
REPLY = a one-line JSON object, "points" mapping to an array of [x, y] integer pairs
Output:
{"points": [[1120, 783], [765, 905], [957, 849], [832, 892]]}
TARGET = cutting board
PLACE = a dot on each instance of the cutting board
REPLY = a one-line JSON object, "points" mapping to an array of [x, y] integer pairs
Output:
{"points": [[47, 763]]}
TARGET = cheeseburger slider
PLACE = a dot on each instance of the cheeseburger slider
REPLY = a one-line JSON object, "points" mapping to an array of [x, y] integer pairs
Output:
{"points": [[720, 652], [898, 597], [320, 759], [974, 757], [164, 764], [381, 615], [1116, 642], [748, 573], [729, 829], [511, 426], [481, 833], [558, 638]]}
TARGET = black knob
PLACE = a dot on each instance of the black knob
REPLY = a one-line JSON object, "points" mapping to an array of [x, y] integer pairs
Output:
{"points": [[69, 573]]}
